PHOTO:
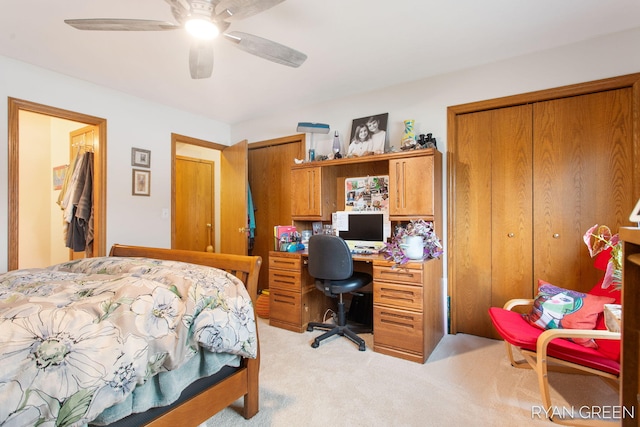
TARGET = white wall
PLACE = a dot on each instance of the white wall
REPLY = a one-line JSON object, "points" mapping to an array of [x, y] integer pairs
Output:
{"points": [[44, 144], [35, 198], [426, 101], [131, 122]]}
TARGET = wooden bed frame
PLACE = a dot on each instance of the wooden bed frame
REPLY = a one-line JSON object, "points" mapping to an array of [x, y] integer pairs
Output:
{"points": [[244, 382]]}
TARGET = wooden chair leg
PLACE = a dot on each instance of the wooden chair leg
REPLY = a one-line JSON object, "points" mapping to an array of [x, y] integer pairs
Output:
{"points": [[522, 364]]}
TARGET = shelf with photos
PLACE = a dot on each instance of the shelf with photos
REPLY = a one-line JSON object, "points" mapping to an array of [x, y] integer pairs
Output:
{"points": [[417, 152], [368, 143]]}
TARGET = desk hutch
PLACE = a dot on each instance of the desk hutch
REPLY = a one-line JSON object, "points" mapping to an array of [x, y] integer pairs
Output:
{"points": [[408, 316]]}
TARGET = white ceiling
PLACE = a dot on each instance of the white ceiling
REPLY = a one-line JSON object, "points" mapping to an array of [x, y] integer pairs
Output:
{"points": [[352, 46]]}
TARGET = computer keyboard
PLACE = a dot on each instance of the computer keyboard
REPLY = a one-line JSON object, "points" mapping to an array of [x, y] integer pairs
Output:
{"points": [[364, 251]]}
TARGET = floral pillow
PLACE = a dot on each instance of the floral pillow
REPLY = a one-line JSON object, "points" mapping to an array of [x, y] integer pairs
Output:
{"points": [[556, 308]]}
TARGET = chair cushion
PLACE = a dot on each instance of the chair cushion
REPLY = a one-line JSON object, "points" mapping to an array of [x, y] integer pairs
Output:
{"points": [[516, 331], [334, 287], [556, 307], [611, 348]]}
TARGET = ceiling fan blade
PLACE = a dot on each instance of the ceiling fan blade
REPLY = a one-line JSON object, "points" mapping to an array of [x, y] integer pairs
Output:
{"points": [[120, 25], [179, 4], [180, 9], [267, 49], [240, 9], [201, 59]]}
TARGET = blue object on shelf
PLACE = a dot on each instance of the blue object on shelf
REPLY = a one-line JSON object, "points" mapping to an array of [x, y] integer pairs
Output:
{"points": [[313, 127]]}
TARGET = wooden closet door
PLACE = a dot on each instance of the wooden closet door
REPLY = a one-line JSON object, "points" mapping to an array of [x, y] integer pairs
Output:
{"points": [[583, 175], [491, 254], [511, 206], [270, 183]]}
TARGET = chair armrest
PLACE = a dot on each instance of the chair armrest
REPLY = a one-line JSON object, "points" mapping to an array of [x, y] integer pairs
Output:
{"points": [[551, 334], [517, 302]]}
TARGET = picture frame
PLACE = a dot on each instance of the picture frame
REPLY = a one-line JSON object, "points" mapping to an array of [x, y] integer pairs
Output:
{"points": [[141, 182], [140, 157], [316, 227], [635, 213], [59, 173], [368, 135]]}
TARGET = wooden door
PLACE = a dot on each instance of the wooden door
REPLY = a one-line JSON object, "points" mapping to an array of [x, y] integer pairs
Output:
{"points": [[491, 228], [233, 199], [511, 212], [583, 175], [194, 203], [270, 181]]}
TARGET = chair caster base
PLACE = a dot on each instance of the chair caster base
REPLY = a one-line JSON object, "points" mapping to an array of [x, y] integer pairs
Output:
{"points": [[315, 344]]}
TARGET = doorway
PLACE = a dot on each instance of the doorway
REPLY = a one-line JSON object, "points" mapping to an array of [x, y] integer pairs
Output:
{"points": [[194, 203], [230, 201], [16, 106], [195, 182]]}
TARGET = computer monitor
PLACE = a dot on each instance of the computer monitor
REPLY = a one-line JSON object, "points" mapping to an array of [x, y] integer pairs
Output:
{"points": [[363, 229]]}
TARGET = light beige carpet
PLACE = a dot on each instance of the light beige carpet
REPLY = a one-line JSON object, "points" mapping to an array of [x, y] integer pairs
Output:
{"points": [[466, 381]]}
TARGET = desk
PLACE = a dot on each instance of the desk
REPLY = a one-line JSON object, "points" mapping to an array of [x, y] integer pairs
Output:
{"points": [[408, 319]]}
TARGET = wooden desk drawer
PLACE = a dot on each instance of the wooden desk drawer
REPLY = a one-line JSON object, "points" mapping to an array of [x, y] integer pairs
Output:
{"points": [[285, 263], [398, 329], [285, 306], [398, 274], [405, 297], [284, 279]]}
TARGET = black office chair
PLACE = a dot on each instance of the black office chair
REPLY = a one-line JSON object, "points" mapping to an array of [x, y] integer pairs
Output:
{"points": [[331, 264]]}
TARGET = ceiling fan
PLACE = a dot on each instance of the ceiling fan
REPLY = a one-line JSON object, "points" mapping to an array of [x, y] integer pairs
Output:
{"points": [[205, 19]]}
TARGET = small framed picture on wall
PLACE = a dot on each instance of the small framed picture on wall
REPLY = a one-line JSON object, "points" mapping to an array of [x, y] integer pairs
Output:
{"points": [[140, 157], [141, 183]]}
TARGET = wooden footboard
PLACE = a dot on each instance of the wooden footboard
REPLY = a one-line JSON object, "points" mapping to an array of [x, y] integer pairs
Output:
{"points": [[243, 383]]}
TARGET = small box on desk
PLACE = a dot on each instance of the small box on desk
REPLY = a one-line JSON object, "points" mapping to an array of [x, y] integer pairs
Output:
{"points": [[283, 234]]}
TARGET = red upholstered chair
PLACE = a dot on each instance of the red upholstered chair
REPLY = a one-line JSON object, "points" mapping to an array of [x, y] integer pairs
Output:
{"points": [[552, 349]]}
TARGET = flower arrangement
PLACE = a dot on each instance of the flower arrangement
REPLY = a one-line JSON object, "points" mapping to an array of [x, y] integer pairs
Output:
{"points": [[598, 239], [393, 250]]}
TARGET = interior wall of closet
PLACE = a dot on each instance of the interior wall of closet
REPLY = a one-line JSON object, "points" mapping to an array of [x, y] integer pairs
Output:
{"points": [[528, 175], [45, 144]]}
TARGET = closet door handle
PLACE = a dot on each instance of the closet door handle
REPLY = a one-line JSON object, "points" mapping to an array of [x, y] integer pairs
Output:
{"points": [[510, 235], [556, 236]]}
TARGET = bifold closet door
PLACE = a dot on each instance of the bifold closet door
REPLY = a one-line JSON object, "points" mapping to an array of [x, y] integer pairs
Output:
{"points": [[492, 224], [583, 175]]}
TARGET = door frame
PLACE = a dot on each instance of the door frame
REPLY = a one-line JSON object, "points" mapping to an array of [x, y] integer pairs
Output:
{"points": [[175, 139], [99, 181]]}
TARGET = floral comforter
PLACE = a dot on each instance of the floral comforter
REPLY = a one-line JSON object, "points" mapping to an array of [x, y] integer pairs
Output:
{"points": [[76, 338]]}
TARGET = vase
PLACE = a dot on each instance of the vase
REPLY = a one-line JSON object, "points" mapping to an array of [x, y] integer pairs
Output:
{"points": [[409, 136], [413, 247]]}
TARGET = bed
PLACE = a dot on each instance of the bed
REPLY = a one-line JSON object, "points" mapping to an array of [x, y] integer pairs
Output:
{"points": [[89, 341]]}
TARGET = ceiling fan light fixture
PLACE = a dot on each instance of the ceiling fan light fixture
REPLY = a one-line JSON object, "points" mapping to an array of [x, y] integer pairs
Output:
{"points": [[202, 29]]}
